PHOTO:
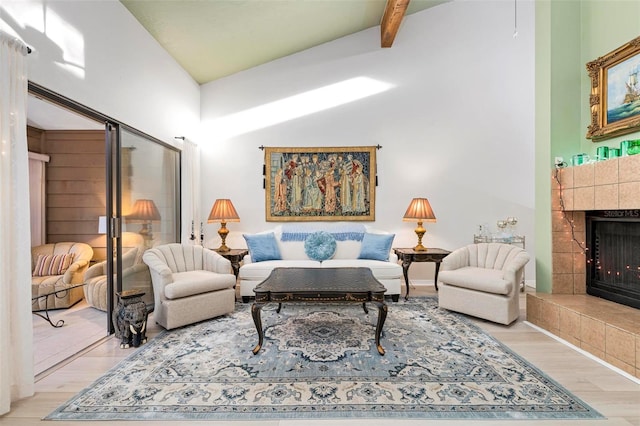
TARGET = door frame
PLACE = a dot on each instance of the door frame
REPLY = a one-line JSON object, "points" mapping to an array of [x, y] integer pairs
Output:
{"points": [[113, 211]]}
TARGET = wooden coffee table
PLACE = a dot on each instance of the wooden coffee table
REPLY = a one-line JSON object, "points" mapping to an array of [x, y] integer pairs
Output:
{"points": [[321, 285]]}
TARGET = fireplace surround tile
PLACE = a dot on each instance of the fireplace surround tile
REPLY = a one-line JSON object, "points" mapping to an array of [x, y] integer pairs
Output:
{"points": [[619, 363], [570, 324], [563, 263], [566, 178], [606, 172], [578, 221], [534, 305], [562, 242], [629, 168], [568, 197], [579, 263], [637, 354], [584, 198], [563, 283], [550, 316], [592, 333], [628, 194], [584, 176], [580, 283], [620, 344], [605, 196]]}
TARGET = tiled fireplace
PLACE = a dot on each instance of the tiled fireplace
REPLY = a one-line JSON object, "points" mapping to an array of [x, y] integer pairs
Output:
{"points": [[605, 329]]}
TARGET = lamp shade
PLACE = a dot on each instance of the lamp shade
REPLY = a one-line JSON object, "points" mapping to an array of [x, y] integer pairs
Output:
{"points": [[223, 211], [419, 210], [144, 210]]}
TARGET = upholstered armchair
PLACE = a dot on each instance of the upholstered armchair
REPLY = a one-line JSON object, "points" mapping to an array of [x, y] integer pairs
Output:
{"points": [[52, 270], [483, 280], [135, 274], [190, 284]]}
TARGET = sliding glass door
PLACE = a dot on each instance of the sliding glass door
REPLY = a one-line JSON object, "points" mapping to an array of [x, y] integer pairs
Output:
{"points": [[141, 193], [144, 202]]}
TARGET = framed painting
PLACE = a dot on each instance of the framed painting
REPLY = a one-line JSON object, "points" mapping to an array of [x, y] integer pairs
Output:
{"points": [[320, 184], [615, 92]]}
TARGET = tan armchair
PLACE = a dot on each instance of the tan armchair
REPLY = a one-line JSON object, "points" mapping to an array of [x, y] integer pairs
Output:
{"points": [[483, 280], [40, 285], [135, 274], [190, 284]]}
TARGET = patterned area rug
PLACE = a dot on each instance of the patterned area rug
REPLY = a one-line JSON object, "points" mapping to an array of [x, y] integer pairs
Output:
{"points": [[320, 361]]}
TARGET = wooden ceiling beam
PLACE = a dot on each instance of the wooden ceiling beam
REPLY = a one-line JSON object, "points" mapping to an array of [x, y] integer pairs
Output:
{"points": [[393, 14]]}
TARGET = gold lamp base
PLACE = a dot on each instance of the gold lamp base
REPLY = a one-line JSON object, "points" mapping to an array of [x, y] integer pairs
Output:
{"points": [[420, 231], [223, 231]]}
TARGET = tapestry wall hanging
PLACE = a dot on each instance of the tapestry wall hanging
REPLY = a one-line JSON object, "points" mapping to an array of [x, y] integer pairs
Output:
{"points": [[320, 184]]}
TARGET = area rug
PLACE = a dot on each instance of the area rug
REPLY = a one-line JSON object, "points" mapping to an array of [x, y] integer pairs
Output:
{"points": [[320, 361]]}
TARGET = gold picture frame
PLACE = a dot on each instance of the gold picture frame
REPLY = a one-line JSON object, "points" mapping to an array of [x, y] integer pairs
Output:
{"points": [[615, 92], [320, 184]]}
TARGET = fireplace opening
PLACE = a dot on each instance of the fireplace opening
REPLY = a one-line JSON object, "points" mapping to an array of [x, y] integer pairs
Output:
{"points": [[613, 255]]}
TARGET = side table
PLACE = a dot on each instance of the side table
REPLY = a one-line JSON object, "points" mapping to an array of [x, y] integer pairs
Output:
{"points": [[408, 255], [234, 256]]}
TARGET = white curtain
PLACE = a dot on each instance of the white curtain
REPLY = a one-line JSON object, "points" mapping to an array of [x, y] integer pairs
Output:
{"points": [[191, 217], [16, 334], [37, 197]]}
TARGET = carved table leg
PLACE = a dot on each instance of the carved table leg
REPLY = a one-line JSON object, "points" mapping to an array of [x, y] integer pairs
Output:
{"points": [[382, 316], [436, 277], [255, 313], [405, 271]]}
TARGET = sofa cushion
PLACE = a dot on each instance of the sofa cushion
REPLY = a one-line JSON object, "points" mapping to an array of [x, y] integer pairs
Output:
{"points": [[481, 279], [380, 270], [190, 283], [56, 264], [262, 247], [320, 246], [376, 246], [261, 270]]}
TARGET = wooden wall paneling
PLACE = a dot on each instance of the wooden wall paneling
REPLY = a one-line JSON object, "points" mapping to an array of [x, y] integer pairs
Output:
{"points": [[76, 187], [35, 140]]}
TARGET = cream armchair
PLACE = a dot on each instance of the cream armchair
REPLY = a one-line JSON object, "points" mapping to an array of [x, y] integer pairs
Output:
{"points": [[135, 274], [45, 284], [190, 284], [483, 280]]}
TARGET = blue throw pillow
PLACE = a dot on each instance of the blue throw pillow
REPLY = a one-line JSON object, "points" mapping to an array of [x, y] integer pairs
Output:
{"points": [[262, 247], [320, 246], [376, 246]]}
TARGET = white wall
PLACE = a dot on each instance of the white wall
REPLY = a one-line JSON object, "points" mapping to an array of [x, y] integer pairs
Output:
{"points": [[97, 54], [457, 126]]}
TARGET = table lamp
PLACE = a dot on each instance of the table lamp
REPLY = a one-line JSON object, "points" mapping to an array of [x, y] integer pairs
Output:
{"points": [[223, 212], [146, 211], [419, 210]]}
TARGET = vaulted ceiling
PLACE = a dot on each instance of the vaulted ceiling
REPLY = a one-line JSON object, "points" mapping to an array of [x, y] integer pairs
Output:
{"points": [[211, 39]]}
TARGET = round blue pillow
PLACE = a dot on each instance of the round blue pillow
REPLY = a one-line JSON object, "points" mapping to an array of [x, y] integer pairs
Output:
{"points": [[320, 246]]}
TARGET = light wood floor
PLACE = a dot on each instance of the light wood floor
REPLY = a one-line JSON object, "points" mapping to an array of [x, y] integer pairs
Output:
{"points": [[612, 394], [83, 326]]}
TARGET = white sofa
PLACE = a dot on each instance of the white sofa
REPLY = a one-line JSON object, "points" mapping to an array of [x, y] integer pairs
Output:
{"points": [[483, 280], [43, 283], [292, 254]]}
